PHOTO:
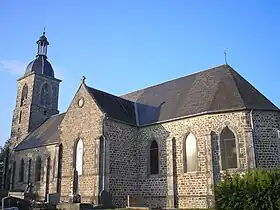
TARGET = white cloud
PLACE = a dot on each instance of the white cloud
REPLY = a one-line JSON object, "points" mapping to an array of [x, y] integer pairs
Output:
{"points": [[15, 67]]}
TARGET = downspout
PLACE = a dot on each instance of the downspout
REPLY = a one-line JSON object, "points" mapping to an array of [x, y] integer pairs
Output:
{"points": [[105, 117]]}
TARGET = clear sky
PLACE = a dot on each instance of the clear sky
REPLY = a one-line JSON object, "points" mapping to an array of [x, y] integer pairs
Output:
{"points": [[121, 46]]}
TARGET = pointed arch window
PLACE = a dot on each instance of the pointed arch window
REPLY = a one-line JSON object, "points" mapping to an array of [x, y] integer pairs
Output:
{"points": [[29, 171], [24, 94], [228, 149], [79, 154], [21, 171], [45, 95], [154, 158], [38, 168], [190, 154]]}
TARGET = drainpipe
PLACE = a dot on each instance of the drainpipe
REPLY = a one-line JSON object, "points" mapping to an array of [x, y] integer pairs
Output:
{"points": [[105, 117]]}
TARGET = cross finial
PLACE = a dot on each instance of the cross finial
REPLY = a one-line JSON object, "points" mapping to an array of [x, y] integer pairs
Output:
{"points": [[44, 32], [83, 79], [225, 52]]}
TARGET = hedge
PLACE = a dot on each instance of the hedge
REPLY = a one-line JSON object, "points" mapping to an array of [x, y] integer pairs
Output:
{"points": [[255, 190]]}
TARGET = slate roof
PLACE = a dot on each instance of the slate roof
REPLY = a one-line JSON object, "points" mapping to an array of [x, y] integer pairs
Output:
{"points": [[114, 106], [40, 65], [217, 89], [46, 134]]}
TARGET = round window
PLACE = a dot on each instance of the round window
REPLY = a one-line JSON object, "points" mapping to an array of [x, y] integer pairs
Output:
{"points": [[81, 102]]}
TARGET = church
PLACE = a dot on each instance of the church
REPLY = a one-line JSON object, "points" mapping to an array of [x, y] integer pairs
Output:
{"points": [[168, 143]]}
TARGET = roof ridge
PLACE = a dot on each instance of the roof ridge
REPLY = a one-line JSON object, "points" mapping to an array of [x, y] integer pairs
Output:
{"points": [[192, 74], [123, 107], [119, 97], [231, 70]]}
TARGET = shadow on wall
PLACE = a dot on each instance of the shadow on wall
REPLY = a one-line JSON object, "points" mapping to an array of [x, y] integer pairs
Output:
{"points": [[215, 157], [155, 164], [155, 157], [39, 170]]}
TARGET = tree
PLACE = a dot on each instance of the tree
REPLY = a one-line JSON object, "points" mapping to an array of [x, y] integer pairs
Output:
{"points": [[4, 162]]}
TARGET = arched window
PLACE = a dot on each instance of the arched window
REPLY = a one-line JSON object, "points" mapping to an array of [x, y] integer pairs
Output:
{"points": [[38, 168], [278, 134], [154, 158], [190, 153], [21, 171], [24, 94], [79, 157], [228, 149], [45, 95]]}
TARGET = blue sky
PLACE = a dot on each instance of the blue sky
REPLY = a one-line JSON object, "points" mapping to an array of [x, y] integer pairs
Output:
{"points": [[121, 46]]}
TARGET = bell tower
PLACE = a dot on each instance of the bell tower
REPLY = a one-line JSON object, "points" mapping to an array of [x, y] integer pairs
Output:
{"points": [[37, 95]]}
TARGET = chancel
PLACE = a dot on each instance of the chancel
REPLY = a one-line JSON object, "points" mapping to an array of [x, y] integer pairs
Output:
{"points": [[166, 145]]}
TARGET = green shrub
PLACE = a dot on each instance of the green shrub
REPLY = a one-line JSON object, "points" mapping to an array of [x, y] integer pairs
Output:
{"points": [[254, 190]]}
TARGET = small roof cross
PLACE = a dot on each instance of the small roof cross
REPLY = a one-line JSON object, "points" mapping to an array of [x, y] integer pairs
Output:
{"points": [[83, 79], [225, 52]]}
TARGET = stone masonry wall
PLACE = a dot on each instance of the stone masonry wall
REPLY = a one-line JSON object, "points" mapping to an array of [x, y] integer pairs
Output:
{"points": [[39, 112], [81, 123], [266, 139], [20, 128], [172, 187], [32, 114], [123, 171], [32, 154]]}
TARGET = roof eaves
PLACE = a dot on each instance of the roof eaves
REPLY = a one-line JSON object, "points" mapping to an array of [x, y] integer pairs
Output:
{"points": [[194, 115], [29, 134], [42, 145], [121, 121], [207, 112]]}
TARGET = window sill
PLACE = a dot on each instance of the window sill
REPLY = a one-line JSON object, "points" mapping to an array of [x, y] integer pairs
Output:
{"points": [[192, 172], [231, 170], [154, 176]]}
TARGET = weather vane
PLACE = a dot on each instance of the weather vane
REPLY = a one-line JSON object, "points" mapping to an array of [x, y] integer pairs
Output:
{"points": [[225, 52]]}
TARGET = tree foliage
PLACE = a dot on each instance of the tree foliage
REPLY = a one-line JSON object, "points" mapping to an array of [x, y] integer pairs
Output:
{"points": [[255, 190], [4, 150]]}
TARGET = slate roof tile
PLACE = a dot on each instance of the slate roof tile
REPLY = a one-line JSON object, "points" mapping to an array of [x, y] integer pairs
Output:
{"points": [[46, 134], [214, 90]]}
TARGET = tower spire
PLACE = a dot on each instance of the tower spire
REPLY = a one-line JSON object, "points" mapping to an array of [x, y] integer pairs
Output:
{"points": [[42, 45]]}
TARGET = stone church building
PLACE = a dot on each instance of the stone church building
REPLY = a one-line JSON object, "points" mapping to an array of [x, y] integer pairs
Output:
{"points": [[168, 143]]}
